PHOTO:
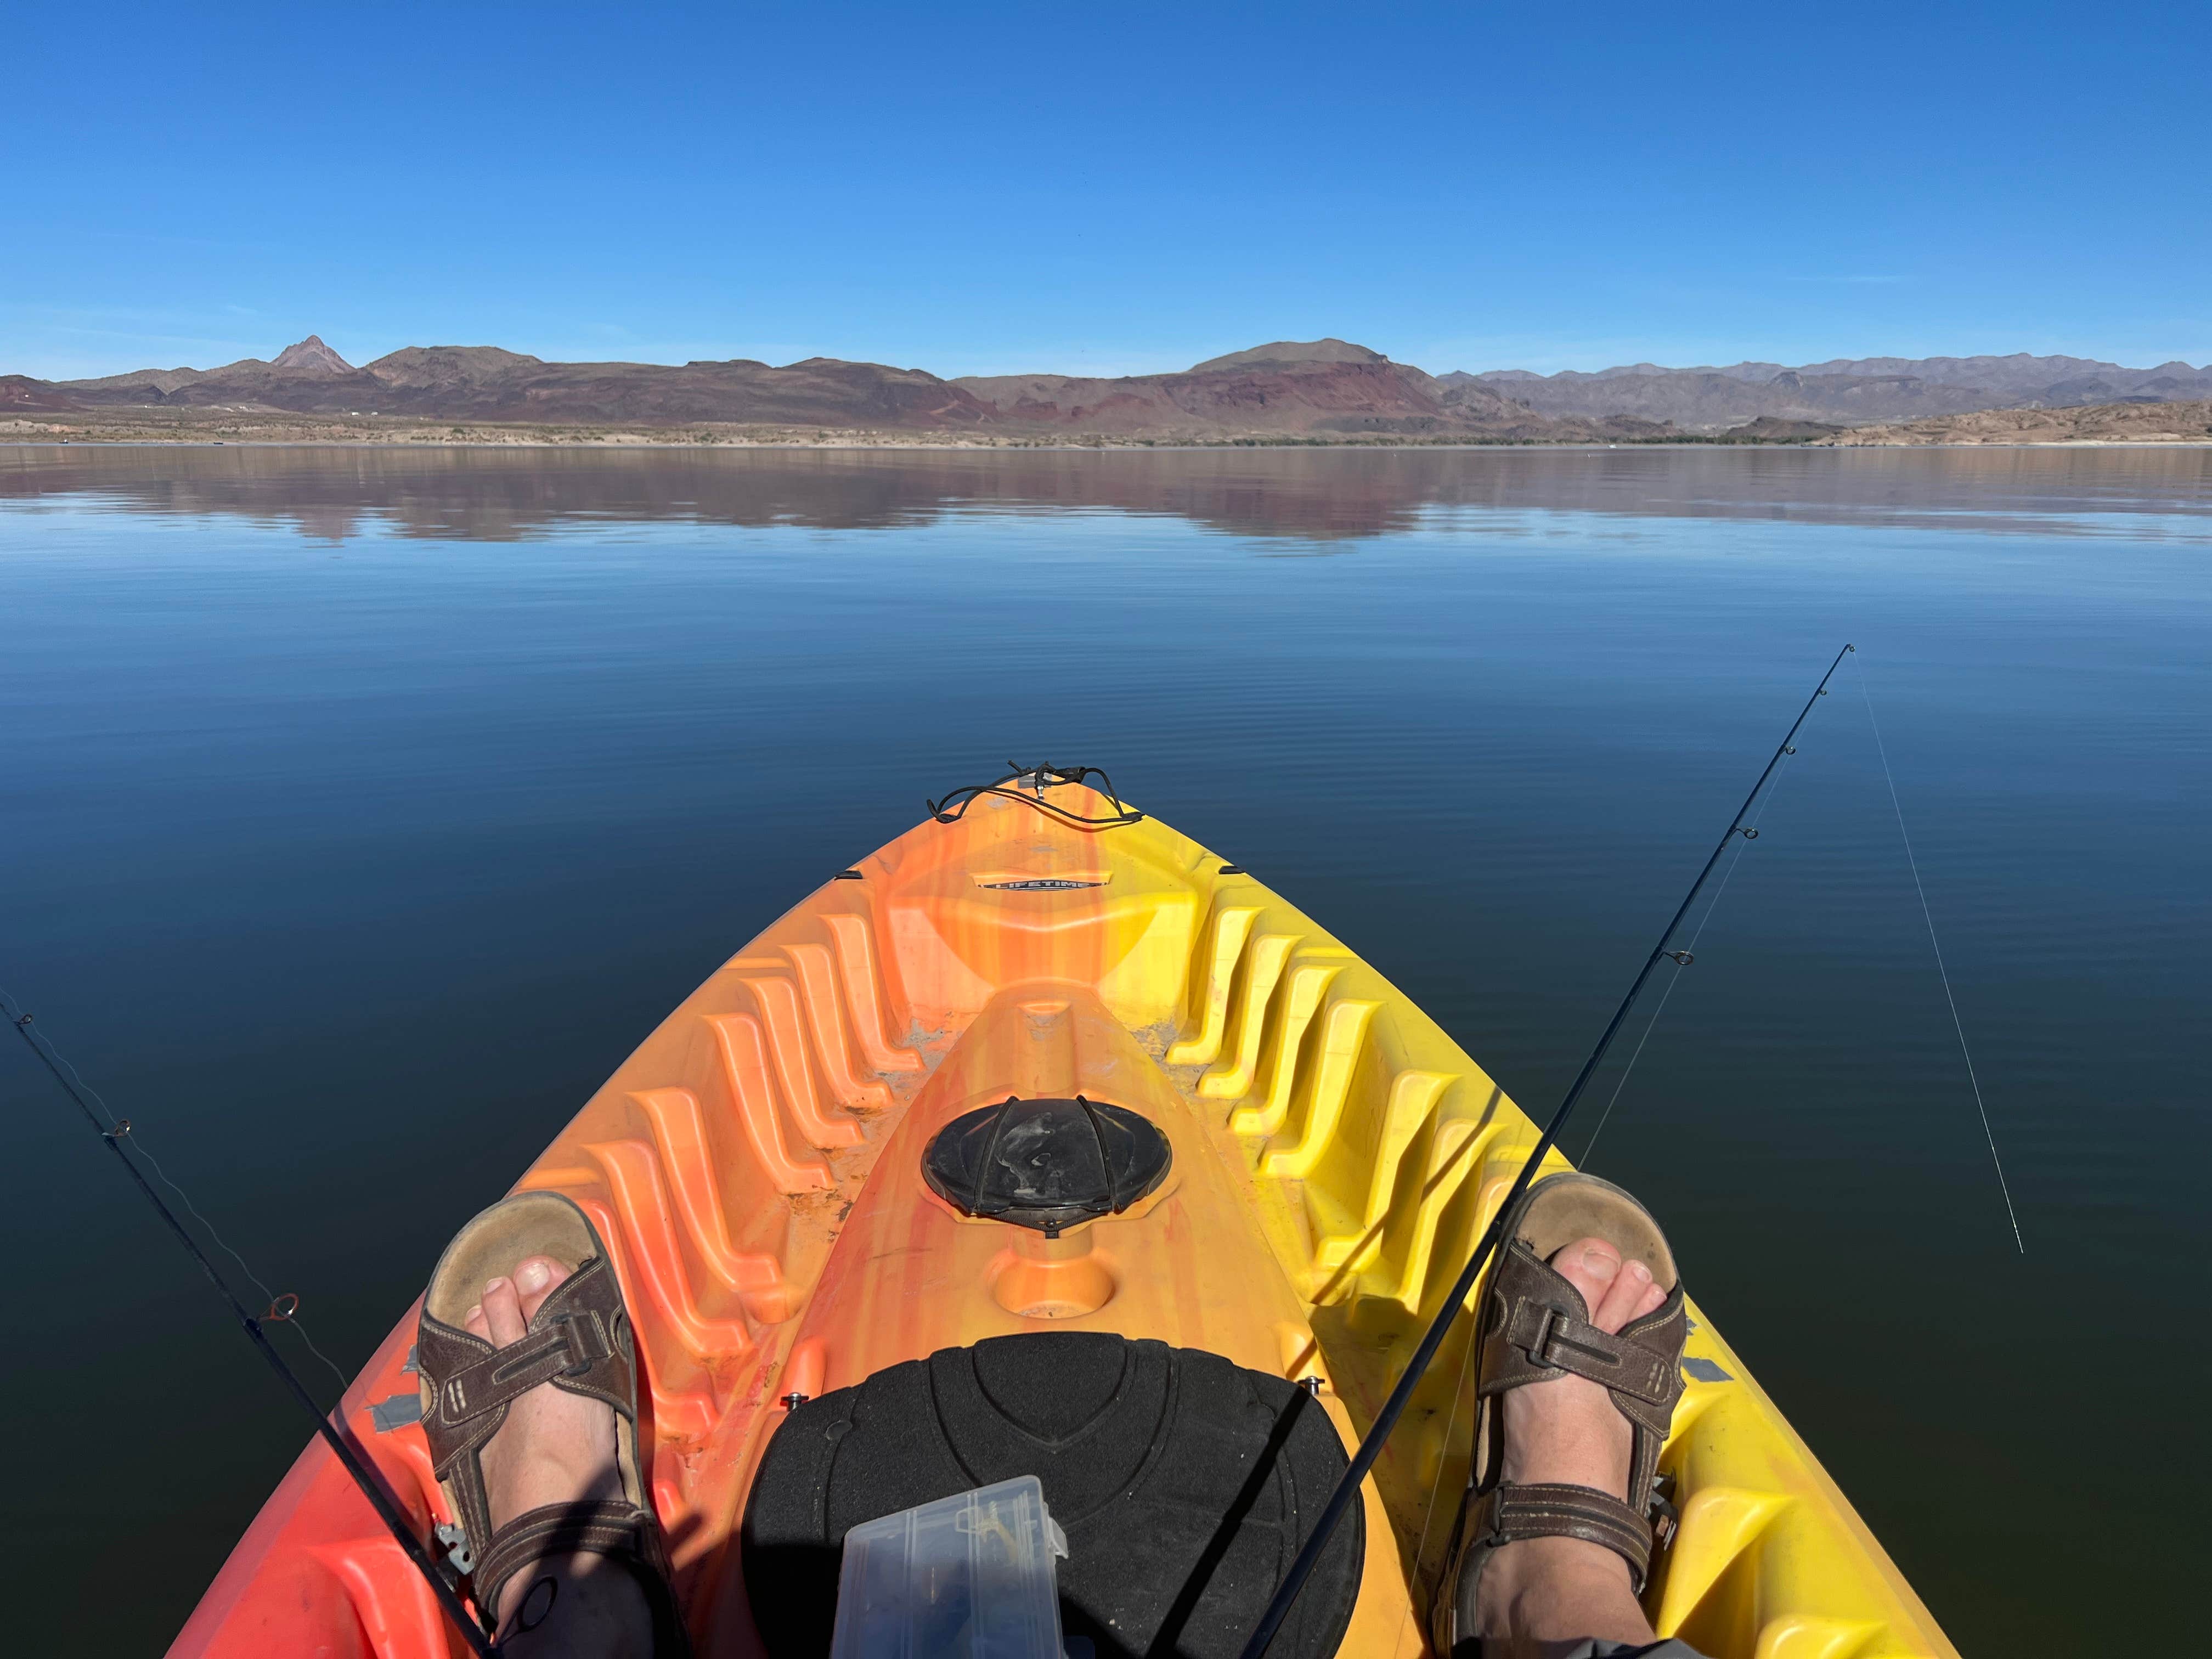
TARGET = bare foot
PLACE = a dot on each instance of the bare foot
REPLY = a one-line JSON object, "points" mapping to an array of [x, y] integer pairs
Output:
{"points": [[555, 1448], [1542, 1595]]}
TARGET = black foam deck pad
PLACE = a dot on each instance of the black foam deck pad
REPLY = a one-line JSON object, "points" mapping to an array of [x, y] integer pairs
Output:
{"points": [[1186, 1485]]}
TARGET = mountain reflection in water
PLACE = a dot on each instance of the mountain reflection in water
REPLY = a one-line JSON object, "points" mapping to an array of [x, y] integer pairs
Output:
{"points": [[332, 492]]}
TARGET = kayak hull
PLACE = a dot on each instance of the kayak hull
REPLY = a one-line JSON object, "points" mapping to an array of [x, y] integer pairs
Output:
{"points": [[755, 1169]]}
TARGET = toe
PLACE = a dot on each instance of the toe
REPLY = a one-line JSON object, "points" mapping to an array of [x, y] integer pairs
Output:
{"points": [[503, 1315], [1591, 1265], [535, 1278], [474, 1321], [1632, 1295]]}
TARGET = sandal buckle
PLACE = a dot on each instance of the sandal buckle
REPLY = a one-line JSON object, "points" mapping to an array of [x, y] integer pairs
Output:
{"points": [[1540, 1338], [455, 1538], [1666, 1519], [583, 1354]]}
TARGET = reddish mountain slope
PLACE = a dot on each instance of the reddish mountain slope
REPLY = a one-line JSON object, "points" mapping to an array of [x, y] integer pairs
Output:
{"points": [[1320, 388], [311, 357], [1288, 388], [484, 382], [1285, 389], [22, 395]]}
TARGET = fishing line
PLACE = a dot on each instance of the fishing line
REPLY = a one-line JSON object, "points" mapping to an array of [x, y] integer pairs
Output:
{"points": [[115, 1132], [1371, 1445], [138, 1144], [1444, 1458], [1926, 916], [1652, 1024]]}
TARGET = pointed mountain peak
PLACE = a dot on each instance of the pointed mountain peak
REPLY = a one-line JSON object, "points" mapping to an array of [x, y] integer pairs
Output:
{"points": [[313, 357]]}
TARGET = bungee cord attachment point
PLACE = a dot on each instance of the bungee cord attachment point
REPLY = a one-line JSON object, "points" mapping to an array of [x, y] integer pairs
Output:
{"points": [[1027, 785]]}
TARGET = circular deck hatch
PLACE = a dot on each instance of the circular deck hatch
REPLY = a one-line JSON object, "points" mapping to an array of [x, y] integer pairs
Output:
{"points": [[1046, 1163]]}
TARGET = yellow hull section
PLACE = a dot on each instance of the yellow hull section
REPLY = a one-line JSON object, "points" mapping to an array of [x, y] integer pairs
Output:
{"points": [[755, 1169]]}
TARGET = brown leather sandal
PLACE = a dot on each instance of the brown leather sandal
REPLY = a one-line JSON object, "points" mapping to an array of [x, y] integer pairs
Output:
{"points": [[580, 1340], [1535, 1330]]}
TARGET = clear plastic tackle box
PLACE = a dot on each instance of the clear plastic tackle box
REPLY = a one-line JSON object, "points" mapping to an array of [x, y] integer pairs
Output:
{"points": [[970, 1576]]}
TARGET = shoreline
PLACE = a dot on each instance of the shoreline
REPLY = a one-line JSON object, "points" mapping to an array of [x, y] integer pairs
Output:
{"points": [[2185, 425], [20, 431], [879, 446]]}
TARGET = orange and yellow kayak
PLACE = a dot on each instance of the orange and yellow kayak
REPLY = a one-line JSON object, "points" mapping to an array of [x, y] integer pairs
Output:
{"points": [[761, 1171]]}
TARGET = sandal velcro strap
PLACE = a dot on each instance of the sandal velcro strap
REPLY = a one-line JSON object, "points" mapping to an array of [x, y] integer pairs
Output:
{"points": [[567, 1346], [1508, 1513], [579, 1341], [1536, 1327], [1555, 1337]]}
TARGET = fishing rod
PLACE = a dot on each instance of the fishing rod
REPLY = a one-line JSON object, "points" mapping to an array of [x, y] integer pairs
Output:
{"points": [[364, 1476], [1370, 1446]]}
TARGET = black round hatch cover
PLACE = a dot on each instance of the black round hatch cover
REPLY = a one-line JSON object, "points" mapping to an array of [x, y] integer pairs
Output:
{"points": [[1046, 1163]]}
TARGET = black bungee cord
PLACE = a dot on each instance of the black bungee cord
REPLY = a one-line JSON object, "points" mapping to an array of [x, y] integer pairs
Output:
{"points": [[1370, 1446], [365, 1476], [1030, 783]]}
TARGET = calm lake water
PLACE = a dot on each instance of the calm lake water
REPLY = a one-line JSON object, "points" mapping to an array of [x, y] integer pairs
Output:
{"points": [[363, 808]]}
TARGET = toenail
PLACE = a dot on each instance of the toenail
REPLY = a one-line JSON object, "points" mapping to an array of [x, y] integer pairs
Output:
{"points": [[473, 1314], [1639, 1272], [1599, 1260], [532, 1275], [491, 1284]]}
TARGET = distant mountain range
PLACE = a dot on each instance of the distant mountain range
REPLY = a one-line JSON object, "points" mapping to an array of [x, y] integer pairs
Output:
{"points": [[1848, 392], [1317, 389], [1286, 390]]}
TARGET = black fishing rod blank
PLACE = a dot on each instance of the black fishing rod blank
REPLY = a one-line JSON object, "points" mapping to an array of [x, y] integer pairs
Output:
{"points": [[1370, 1446], [365, 1476]]}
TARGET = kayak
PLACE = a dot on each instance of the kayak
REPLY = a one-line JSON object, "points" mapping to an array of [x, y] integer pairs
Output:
{"points": [[1045, 1142]]}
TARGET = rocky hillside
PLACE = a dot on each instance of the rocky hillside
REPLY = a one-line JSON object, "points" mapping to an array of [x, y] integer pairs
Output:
{"points": [[22, 395], [2184, 422], [1845, 390], [1317, 390], [1321, 389], [484, 383], [1288, 388]]}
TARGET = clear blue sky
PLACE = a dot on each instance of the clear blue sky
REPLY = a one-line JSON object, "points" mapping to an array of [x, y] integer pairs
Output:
{"points": [[1106, 188]]}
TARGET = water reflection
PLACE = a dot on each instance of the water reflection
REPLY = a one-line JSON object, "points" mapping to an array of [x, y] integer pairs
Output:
{"points": [[349, 877], [333, 493]]}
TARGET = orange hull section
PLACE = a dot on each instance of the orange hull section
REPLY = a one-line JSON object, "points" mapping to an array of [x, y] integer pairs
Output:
{"points": [[755, 1171]]}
